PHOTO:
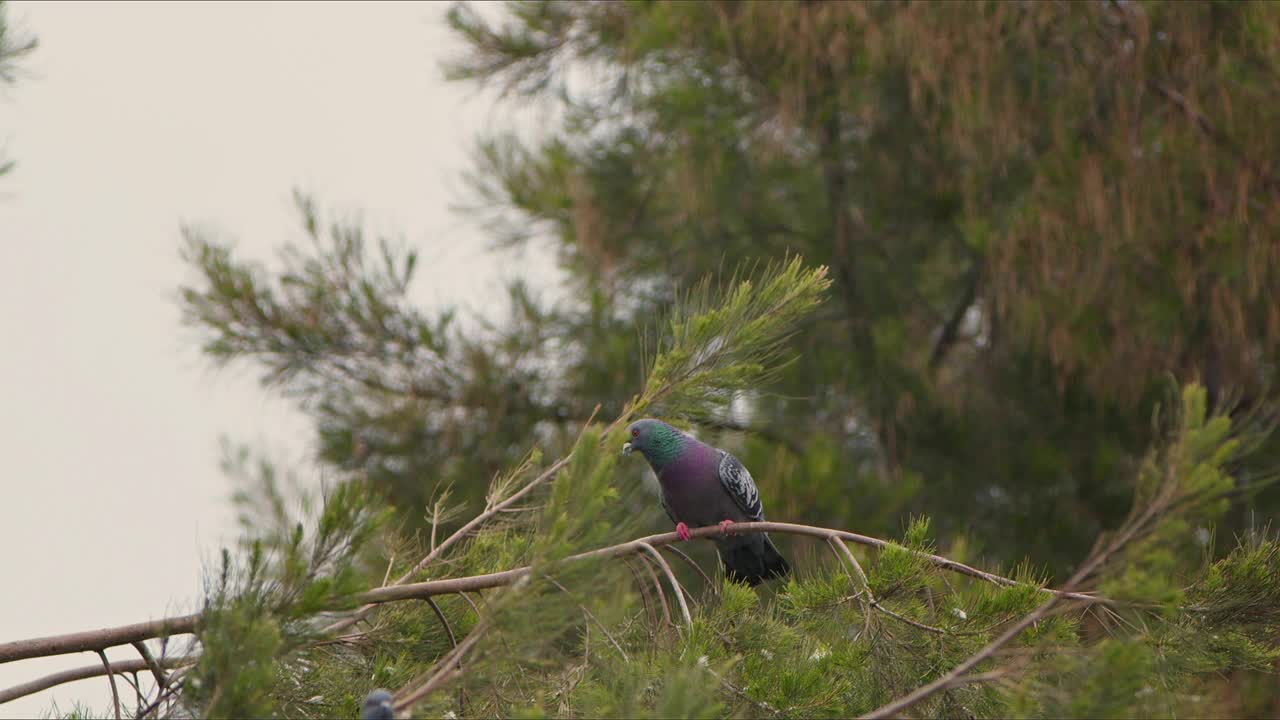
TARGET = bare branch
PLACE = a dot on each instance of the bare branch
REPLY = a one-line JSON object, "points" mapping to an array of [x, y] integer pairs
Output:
{"points": [[448, 669], [111, 678], [174, 687], [957, 674], [1137, 522], [97, 639], [684, 556], [903, 618], [671, 577], [100, 639], [161, 681], [591, 616], [864, 594], [644, 592], [453, 643], [657, 588], [81, 673]]}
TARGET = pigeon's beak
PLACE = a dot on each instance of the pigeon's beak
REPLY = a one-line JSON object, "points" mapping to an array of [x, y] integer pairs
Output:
{"points": [[626, 448]]}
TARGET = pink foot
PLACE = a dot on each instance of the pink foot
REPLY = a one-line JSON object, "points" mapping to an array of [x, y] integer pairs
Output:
{"points": [[724, 526], [683, 531]]}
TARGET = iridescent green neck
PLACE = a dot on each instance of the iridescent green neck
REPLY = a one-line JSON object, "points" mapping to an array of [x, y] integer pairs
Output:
{"points": [[665, 444]]}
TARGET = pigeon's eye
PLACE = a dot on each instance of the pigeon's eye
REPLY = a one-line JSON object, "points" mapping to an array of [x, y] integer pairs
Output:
{"points": [[635, 433]]}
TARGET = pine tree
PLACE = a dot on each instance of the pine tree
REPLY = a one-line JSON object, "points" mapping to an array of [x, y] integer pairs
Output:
{"points": [[548, 603], [1035, 216], [1026, 229]]}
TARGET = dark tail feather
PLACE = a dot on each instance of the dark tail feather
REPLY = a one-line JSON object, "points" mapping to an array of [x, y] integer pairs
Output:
{"points": [[754, 561]]}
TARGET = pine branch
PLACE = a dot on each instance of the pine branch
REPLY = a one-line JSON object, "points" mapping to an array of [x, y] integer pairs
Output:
{"points": [[472, 525], [450, 667], [493, 511], [108, 637], [126, 634], [1139, 521]]}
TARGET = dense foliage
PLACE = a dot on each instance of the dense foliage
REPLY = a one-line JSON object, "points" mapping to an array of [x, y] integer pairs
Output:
{"points": [[1035, 214]]}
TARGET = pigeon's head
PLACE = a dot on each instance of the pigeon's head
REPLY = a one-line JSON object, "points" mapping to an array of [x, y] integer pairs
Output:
{"points": [[657, 441], [377, 706]]}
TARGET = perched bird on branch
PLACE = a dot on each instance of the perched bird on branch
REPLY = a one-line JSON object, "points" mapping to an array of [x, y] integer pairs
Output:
{"points": [[377, 706], [703, 485]]}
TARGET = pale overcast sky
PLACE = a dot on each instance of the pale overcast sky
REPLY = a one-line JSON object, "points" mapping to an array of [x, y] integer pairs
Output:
{"points": [[134, 119]]}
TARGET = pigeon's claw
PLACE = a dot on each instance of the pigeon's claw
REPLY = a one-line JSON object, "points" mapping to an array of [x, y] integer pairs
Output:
{"points": [[724, 526], [683, 531]]}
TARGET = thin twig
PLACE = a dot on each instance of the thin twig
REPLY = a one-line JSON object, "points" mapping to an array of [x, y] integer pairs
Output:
{"points": [[870, 601], [155, 705], [913, 623], [132, 679], [841, 550], [111, 677], [448, 670], [453, 645], [671, 577], [156, 672], [683, 556], [590, 616], [1136, 522], [644, 591], [742, 693], [457, 536], [391, 562], [99, 639], [472, 603], [657, 587], [475, 522]]}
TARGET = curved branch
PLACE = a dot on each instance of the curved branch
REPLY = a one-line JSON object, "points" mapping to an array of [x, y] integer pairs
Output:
{"points": [[671, 578], [644, 592], [453, 642], [959, 674], [99, 639], [506, 577], [591, 616], [657, 588], [82, 673], [448, 665], [111, 678], [161, 681], [864, 595], [684, 556]]}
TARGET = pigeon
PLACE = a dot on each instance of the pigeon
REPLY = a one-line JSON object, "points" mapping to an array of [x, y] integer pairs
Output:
{"points": [[703, 485], [377, 706]]}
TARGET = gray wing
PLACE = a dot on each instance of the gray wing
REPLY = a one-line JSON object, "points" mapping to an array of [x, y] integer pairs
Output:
{"points": [[737, 482]]}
